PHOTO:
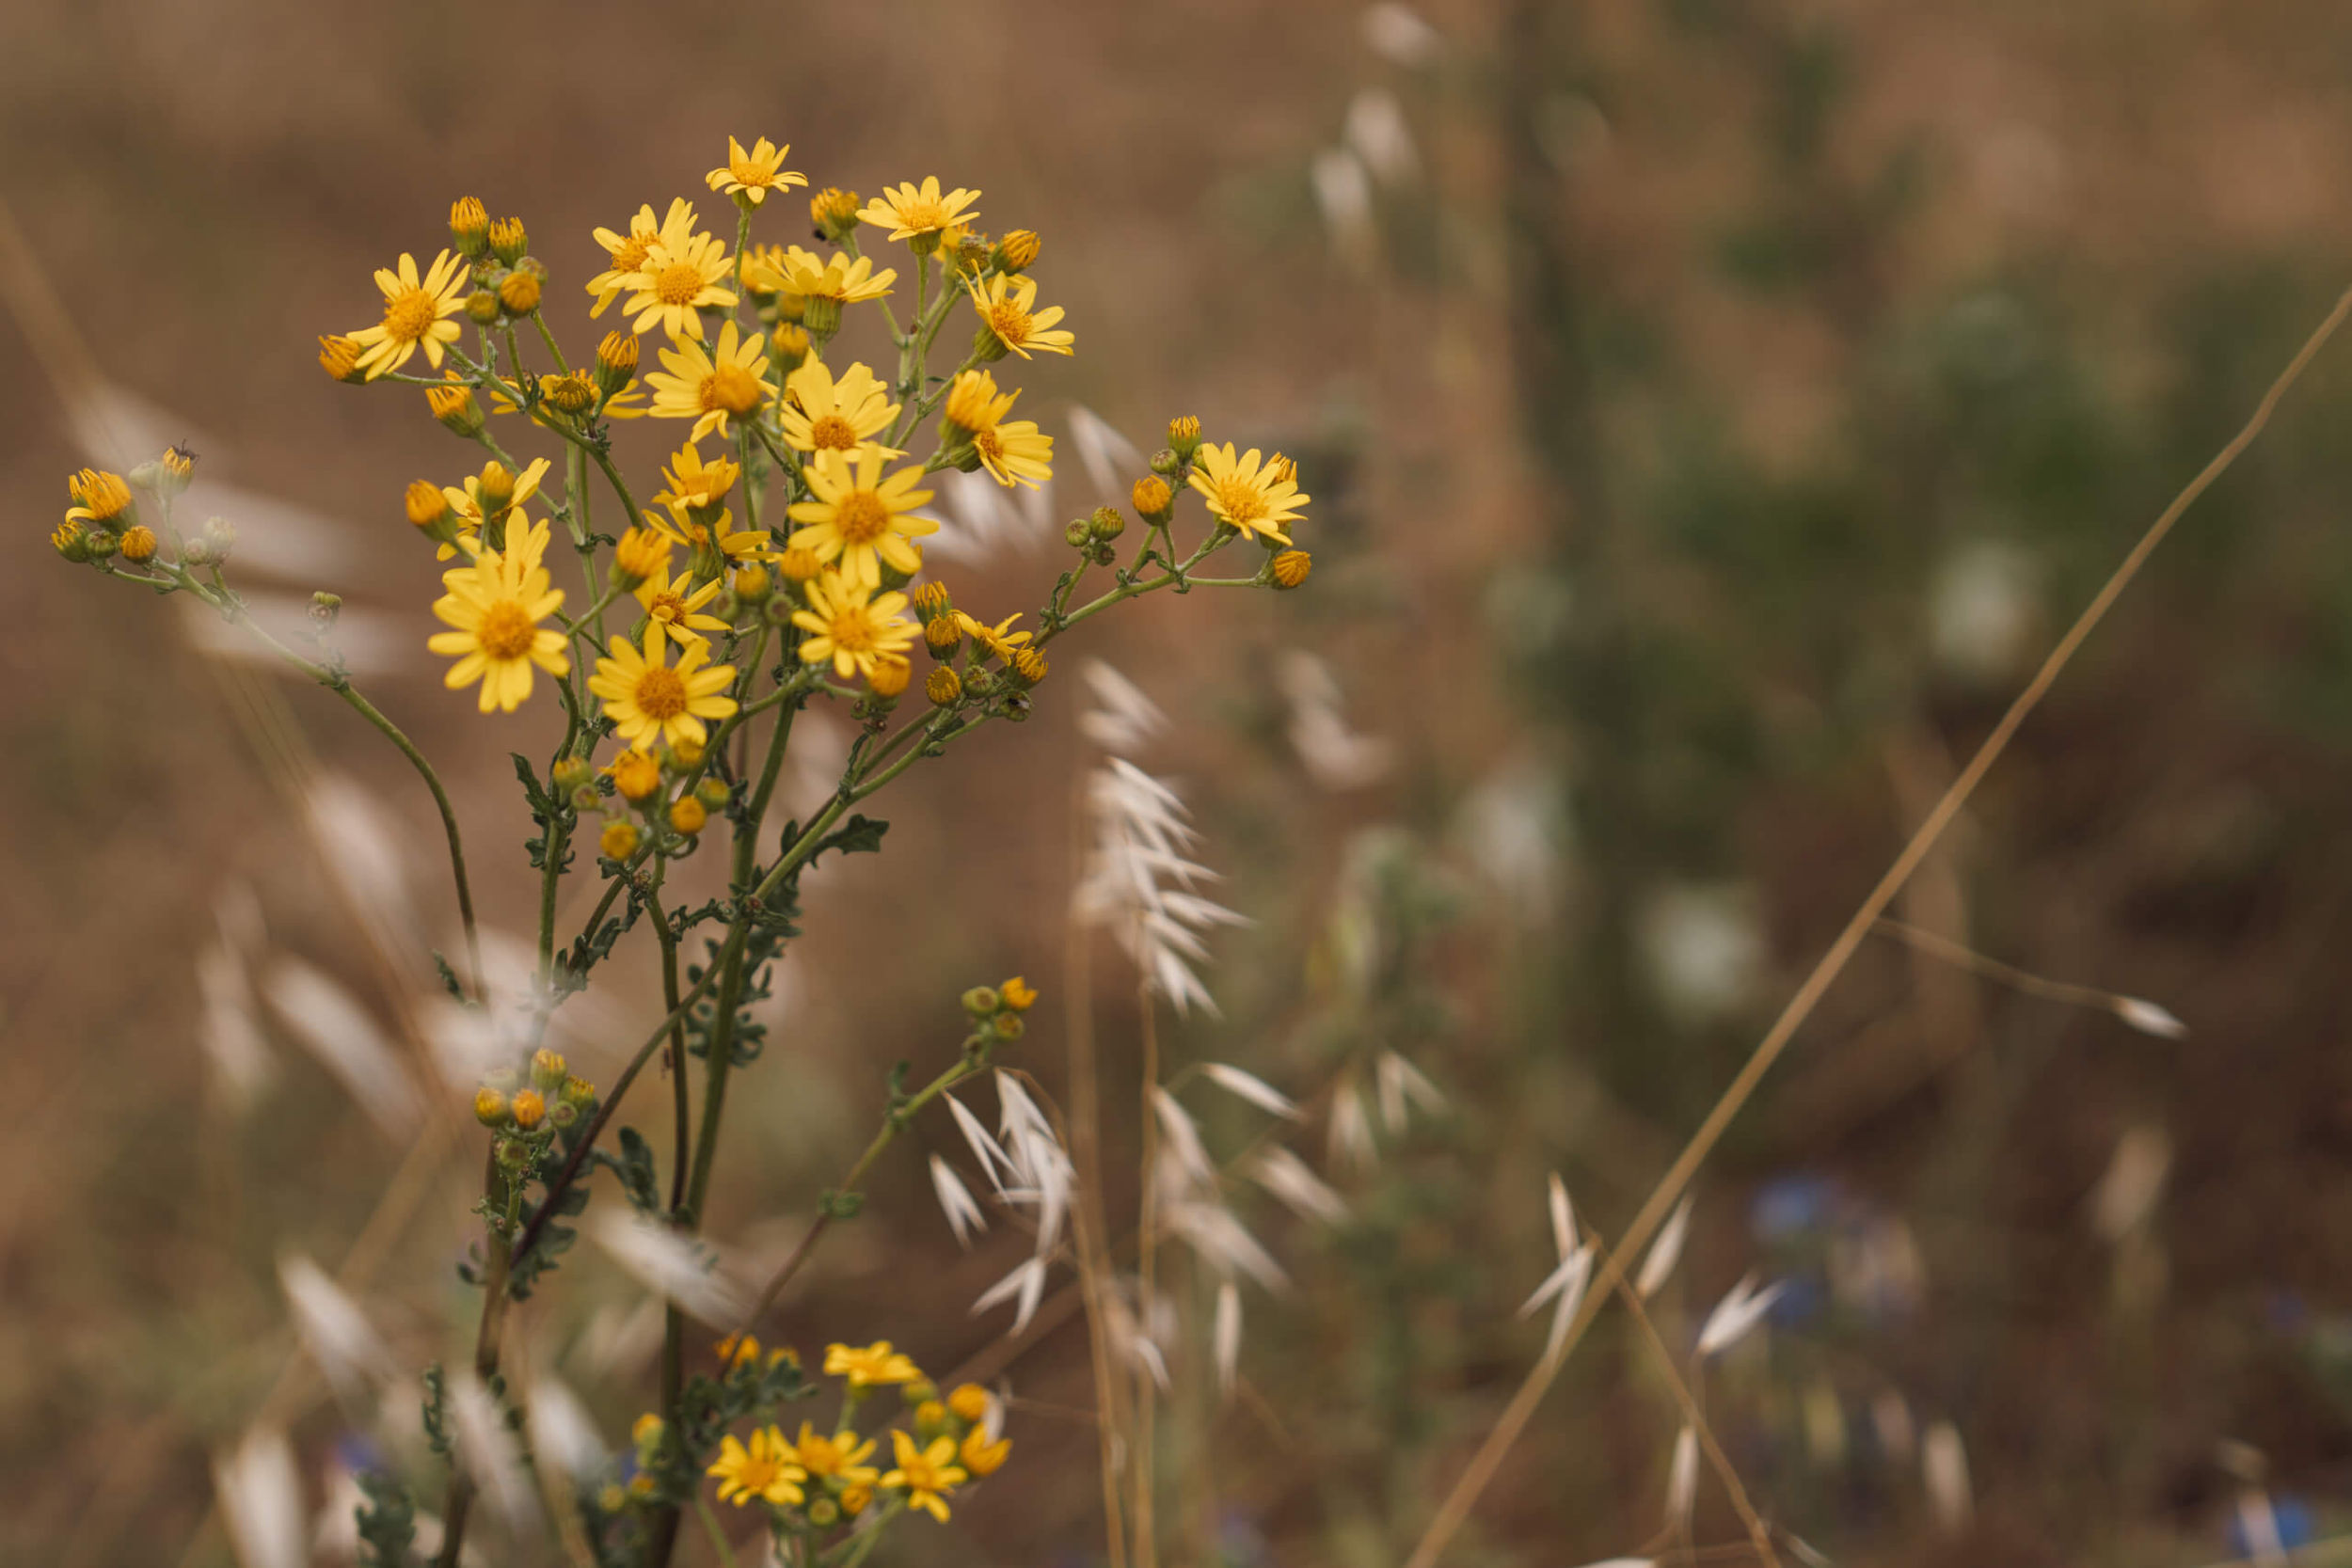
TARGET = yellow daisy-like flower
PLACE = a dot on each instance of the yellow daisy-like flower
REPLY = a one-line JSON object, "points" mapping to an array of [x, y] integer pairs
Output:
{"points": [[907, 211], [839, 277], [1000, 639], [680, 275], [694, 483], [709, 386], [821, 413], [857, 518], [856, 629], [100, 494], [769, 1469], [650, 701], [1259, 499], [1013, 452], [675, 604], [841, 1456], [1004, 309], [926, 1474], [496, 605], [871, 1366], [754, 173], [415, 313], [626, 253]]}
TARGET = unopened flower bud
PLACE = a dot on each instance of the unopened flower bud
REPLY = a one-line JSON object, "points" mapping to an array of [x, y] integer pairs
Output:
{"points": [[220, 538], [579, 1091], [752, 584], [1166, 462], [513, 1153], [835, 211], [548, 1070], [982, 1001], [930, 1420], [788, 345], [1029, 665], [687, 816], [585, 798], [496, 487], [636, 775], [562, 1115], [969, 1402], [72, 539], [572, 771], [824, 1511], [641, 554], [1291, 567], [1152, 497], [714, 794], [489, 1106], [617, 361], [518, 293], [1184, 435], [570, 394], [685, 755], [619, 839], [325, 608], [1109, 522], [338, 357], [138, 543], [455, 407], [528, 1107], [1079, 533], [429, 511], [482, 306], [798, 564], [943, 686], [890, 677], [507, 240], [1008, 1026], [470, 226], [1018, 994], [1018, 250], [941, 636], [930, 600]]}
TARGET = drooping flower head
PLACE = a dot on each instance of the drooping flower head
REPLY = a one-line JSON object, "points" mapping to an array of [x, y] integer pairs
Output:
{"points": [[1007, 317], [907, 212], [1013, 452], [856, 629], [753, 174], [495, 604], [820, 413], [416, 313], [857, 519], [99, 496], [648, 700], [1261, 500], [846, 280], [711, 387]]}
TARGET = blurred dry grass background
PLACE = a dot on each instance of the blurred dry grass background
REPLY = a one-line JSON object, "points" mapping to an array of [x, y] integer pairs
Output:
{"points": [[2154, 190]]}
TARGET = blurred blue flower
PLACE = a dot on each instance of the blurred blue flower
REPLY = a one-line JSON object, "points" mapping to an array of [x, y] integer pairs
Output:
{"points": [[2294, 1520], [1792, 1206], [359, 1453]]}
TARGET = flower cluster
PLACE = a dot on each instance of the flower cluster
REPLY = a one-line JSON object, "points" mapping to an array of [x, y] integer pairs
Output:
{"points": [[683, 625]]}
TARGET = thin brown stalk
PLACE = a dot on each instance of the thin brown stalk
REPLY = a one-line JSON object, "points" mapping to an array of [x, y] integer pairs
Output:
{"points": [[1951, 952], [1087, 1214], [1147, 1269], [1487, 1461]]}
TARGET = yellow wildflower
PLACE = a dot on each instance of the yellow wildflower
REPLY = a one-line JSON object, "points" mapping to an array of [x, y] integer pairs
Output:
{"points": [[678, 276], [415, 312], [626, 253], [926, 1474], [855, 628], [840, 278], [982, 1457], [857, 519], [635, 773], [496, 605], [821, 413], [907, 211], [648, 700], [871, 1366], [1000, 639], [840, 1457], [1013, 452], [101, 496], [768, 1470], [708, 387], [1005, 306], [490, 494], [753, 174], [641, 553], [693, 483], [1259, 499], [619, 839], [1020, 996], [675, 604], [720, 535]]}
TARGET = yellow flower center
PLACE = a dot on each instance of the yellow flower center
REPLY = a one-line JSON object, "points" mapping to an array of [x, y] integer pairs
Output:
{"points": [[678, 283], [920, 214], [631, 253], [666, 607], [990, 443], [660, 694], [733, 389], [747, 173], [862, 518], [854, 630], [1009, 321], [407, 314], [758, 1474], [507, 630], [832, 432], [1240, 502]]}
